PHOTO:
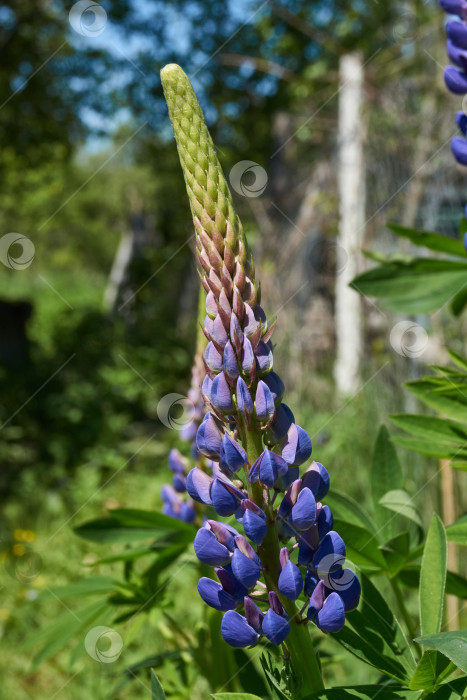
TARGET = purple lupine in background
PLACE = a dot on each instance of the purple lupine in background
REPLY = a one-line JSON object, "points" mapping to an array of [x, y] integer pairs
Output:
{"points": [[288, 550], [455, 76], [175, 501]]}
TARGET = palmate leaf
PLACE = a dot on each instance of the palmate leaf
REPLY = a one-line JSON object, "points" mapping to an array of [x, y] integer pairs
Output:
{"points": [[451, 690], [373, 634], [432, 668], [446, 396], [438, 437], [451, 644], [433, 578], [415, 285]]}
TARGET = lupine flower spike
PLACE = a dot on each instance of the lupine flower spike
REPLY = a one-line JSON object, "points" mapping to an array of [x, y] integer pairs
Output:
{"points": [[288, 544], [455, 76]]}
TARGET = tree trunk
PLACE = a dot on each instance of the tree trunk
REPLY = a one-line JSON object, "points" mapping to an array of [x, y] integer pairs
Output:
{"points": [[351, 187]]}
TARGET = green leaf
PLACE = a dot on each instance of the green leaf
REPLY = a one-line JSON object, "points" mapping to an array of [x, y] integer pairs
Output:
{"points": [[396, 552], [433, 578], [346, 509], [414, 286], [430, 240], [430, 671], [94, 585], [440, 437], [235, 696], [58, 634], [133, 525], [446, 397], [451, 644], [128, 554], [451, 690], [458, 359], [440, 450], [457, 532], [386, 475], [373, 634], [455, 584], [459, 301], [362, 546], [401, 503], [157, 692], [365, 692], [440, 430], [132, 517]]}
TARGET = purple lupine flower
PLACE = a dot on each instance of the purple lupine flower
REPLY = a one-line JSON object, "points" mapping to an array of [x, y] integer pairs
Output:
{"points": [[327, 611], [253, 520], [175, 506], [250, 434], [236, 631], [246, 565], [456, 77], [267, 468], [232, 455], [215, 595], [290, 579]]}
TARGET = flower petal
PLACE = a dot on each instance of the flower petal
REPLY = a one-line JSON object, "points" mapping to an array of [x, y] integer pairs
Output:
{"points": [[275, 627], [456, 80], [330, 555], [225, 503], [264, 402], [209, 550], [221, 397], [290, 581], [245, 570], [303, 514], [236, 631], [331, 617], [232, 454], [209, 437], [214, 595], [347, 585], [198, 485], [255, 526], [316, 478]]}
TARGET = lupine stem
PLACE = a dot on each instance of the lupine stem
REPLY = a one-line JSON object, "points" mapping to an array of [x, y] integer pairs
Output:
{"points": [[405, 614], [299, 643]]}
